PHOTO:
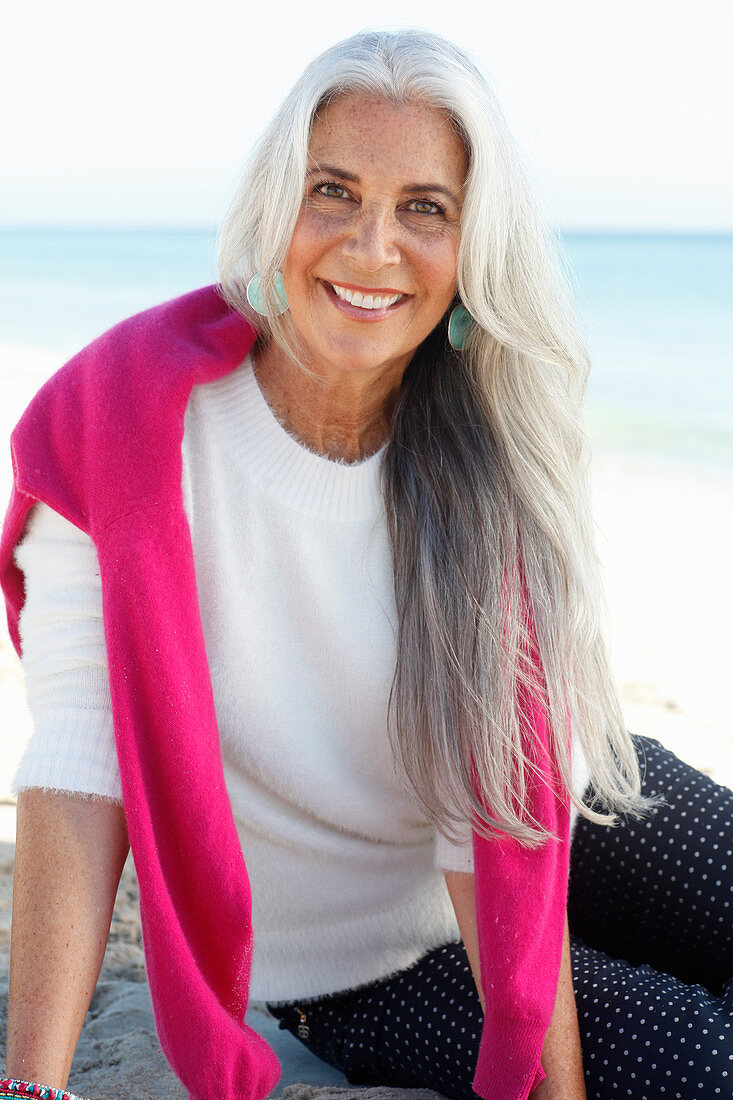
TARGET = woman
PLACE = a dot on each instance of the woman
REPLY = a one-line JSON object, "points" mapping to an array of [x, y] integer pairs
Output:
{"points": [[327, 587]]}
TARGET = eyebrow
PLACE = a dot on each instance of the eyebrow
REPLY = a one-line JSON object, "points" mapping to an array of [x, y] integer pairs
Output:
{"points": [[350, 177]]}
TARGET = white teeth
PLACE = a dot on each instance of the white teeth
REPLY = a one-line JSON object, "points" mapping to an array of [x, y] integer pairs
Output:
{"points": [[365, 301]]}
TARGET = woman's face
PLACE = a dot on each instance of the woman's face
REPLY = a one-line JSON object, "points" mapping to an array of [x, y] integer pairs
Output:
{"points": [[371, 267]]}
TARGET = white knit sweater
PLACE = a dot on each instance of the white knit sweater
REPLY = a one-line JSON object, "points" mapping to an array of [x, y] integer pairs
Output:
{"points": [[346, 872]]}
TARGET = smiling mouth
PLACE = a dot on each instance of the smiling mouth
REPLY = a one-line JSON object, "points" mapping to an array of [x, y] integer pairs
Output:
{"points": [[376, 300]]}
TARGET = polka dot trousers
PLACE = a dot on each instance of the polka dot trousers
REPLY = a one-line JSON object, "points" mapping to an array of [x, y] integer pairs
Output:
{"points": [[650, 910]]}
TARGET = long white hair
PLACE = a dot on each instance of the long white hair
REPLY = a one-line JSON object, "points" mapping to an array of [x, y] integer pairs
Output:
{"points": [[485, 475]]}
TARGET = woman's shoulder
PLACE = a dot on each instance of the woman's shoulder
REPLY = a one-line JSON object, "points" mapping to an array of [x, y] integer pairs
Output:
{"points": [[196, 334], [139, 370], [105, 430]]}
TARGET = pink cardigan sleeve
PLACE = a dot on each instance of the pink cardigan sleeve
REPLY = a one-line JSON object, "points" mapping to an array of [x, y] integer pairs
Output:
{"points": [[521, 898]]}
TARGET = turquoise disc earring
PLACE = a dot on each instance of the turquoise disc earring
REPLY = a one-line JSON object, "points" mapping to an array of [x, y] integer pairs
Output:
{"points": [[255, 299], [459, 326]]}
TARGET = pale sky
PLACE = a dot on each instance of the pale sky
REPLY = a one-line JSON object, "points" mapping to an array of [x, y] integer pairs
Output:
{"points": [[142, 112]]}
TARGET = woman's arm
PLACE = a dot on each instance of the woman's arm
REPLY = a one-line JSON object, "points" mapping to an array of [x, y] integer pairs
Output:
{"points": [[69, 856], [463, 896], [562, 1058]]}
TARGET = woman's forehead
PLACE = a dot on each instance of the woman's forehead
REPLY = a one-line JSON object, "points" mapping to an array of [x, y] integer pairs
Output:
{"points": [[357, 133]]}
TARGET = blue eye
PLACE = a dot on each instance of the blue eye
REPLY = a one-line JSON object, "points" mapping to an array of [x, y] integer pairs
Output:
{"points": [[427, 206], [328, 189]]}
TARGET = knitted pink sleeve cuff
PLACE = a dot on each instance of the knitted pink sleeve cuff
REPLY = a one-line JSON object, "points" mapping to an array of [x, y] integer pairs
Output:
{"points": [[509, 1070]]}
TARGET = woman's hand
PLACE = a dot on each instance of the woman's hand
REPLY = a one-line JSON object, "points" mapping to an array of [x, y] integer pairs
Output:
{"points": [[69, 856]]}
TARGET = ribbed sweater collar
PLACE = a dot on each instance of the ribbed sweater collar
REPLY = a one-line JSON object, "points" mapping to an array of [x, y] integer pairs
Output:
{"points": [[280, 465]]}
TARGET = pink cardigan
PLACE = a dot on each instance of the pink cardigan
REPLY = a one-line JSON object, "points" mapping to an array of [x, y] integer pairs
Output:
{"points": [[101, 444]]}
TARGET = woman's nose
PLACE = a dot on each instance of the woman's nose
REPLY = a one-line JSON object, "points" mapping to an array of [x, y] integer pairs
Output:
{"points": [[372, 239]]}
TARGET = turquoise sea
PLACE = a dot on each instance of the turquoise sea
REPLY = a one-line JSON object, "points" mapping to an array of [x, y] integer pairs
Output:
{"points": [[656, 312]]}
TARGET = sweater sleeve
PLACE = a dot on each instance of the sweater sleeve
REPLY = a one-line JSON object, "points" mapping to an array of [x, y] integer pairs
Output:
{"points": [[64, 660], [455, 857], [459, 857], [521, 900]]}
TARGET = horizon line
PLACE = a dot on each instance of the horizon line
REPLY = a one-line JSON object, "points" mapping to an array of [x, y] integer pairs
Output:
{"points": [[212, 228]]}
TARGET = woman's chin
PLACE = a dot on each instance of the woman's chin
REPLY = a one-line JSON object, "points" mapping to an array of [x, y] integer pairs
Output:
{"points": [[359, 356]]}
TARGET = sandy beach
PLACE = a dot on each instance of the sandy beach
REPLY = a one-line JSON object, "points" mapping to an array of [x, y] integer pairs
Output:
{"points": [[664, 536]]}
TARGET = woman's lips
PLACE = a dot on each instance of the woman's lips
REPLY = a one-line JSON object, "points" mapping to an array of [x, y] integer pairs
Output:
{"points": [[360, 312]]}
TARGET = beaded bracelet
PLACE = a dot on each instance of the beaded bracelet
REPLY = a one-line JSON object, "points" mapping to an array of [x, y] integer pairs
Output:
{"points": [[10, 1088]]}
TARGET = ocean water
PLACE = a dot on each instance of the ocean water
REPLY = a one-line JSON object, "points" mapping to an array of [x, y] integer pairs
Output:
{"points": [[656, 312]]}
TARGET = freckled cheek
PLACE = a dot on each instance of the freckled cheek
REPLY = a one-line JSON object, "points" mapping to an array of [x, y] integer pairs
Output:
{"points": [[438, 265], [314, 237], [320, 230]]}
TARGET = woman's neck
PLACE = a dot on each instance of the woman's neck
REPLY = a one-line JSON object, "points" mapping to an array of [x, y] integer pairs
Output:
{"points": [[344, 417]]}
